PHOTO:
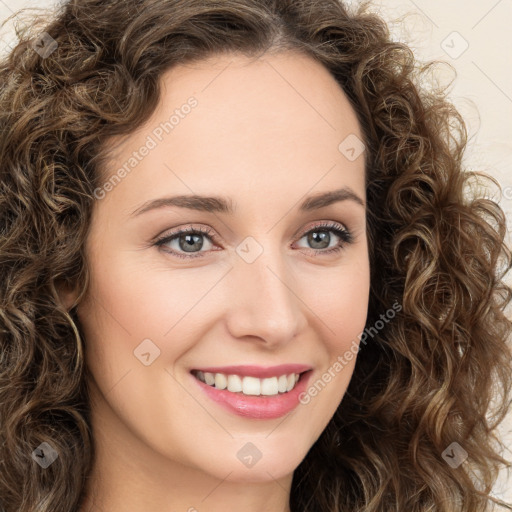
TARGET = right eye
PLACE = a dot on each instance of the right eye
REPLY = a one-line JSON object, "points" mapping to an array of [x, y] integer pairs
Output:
{"points": [[187, 240]]}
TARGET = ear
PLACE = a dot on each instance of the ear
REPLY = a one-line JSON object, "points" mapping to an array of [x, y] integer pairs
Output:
{"points": [[67, 293]]}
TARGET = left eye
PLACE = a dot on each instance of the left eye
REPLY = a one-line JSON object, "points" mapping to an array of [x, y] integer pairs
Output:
{"points": [[320, 237], [191, 240]]}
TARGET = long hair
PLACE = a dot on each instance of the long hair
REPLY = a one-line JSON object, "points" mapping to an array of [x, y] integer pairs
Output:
{"points": [[438, 375]]}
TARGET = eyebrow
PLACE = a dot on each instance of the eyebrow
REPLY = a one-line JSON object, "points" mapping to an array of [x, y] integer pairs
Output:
{"points": [[219, 204]]}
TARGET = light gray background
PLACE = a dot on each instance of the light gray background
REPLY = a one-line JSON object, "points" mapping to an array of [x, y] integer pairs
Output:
{"points": [[482, 91]]}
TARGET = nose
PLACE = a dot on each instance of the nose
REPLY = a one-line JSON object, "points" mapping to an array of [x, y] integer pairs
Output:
{"points": [[263, 301]]}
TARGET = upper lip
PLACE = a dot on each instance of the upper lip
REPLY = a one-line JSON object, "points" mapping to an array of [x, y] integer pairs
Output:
{"points": [[257, 371]]}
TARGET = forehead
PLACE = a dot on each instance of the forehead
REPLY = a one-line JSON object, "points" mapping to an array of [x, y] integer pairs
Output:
{"points": [[277, 120], [287, 92]]}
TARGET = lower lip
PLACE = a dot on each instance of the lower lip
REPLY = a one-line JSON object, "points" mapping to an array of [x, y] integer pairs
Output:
{"points": [[257, 407]]}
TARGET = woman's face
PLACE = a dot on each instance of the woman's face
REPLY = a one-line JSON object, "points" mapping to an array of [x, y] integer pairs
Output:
{"points": [[260, 286]]}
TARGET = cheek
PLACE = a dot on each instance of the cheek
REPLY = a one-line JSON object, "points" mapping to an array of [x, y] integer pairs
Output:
{"points": [[340, 314], [345, 309], [129, 302], [339, 300]]}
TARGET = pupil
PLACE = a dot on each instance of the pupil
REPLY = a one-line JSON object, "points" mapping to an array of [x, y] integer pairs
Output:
{"points": [[323, 236], [191, 243]]}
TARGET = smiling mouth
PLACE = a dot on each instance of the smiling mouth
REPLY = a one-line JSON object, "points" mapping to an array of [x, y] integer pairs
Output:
{"points": [[250, 386]]}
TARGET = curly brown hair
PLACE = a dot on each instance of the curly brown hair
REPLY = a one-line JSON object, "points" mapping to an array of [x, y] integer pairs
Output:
{"points": [[439, 373]]}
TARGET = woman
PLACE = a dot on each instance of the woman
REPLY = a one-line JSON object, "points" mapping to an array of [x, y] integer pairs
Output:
{"points": [[239, 270]]}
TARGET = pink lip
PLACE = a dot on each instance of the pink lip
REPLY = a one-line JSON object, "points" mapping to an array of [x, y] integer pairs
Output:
{"points": [[257, 407], [257, 371]]}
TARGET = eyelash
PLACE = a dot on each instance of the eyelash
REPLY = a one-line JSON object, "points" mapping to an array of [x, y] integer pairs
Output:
{"points": [[344, 234]]}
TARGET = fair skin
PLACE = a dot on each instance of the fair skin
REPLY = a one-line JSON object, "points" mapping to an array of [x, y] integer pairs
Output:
{"points": [[265, 133]]}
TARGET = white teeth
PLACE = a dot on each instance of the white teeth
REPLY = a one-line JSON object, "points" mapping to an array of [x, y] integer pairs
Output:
{"points": [[234, 383], [251, 386], [220, 381], [291, 381], [269, 386]]}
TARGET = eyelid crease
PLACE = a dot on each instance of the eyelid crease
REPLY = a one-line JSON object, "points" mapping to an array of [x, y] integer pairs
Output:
{"points": [[190, 229]]}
